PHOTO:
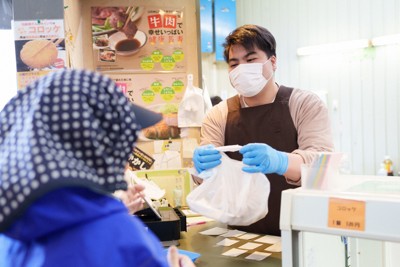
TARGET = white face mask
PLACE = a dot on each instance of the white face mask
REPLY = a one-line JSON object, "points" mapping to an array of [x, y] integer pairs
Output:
{"points": [[248, 79]]}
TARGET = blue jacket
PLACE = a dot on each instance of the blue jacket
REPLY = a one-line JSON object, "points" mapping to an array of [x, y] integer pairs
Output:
{"points": [[79, 227]]}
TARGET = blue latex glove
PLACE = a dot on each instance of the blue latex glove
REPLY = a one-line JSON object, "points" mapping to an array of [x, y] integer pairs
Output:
{"points": [[263, 158], [206, 157]]}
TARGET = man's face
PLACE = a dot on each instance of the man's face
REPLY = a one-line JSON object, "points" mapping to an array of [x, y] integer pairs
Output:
{"points": [[239, 55]]}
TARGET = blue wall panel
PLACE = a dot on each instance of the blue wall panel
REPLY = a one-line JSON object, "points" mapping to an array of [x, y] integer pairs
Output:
{"points": [[225, 22], [206, 26]]}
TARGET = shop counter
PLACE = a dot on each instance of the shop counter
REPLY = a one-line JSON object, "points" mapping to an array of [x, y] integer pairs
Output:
{"points": [[205, 245], [362, 207]]}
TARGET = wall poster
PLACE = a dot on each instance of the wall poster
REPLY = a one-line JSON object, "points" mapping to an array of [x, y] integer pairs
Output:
{"points": [[39, 48], [161, 93], [142, 48], [138, 38]]}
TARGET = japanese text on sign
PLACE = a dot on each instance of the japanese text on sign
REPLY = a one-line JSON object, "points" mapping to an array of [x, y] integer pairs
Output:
{"points": [[139, 160], [165, 23], [38, 29], [346, 214], [157, 21]]}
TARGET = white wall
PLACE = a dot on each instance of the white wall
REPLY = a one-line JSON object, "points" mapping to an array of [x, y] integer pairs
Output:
{"points": [[8, 87], [363, 85]]}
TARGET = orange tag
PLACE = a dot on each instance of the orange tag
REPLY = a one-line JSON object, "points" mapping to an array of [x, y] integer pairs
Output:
{"points": [[346, 214]]}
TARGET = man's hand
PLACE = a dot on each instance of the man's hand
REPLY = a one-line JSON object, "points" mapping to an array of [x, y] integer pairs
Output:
{"points": [[263, 158], [206, 157]]}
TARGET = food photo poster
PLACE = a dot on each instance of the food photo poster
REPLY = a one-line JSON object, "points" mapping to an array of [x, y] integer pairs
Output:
{"points": [[138, 38], [142, 48], [39, 48]]}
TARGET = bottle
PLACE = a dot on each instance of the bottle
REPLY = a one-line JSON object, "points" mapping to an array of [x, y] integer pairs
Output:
{"points": [[178, 196], [388, 165], [382, 171]]}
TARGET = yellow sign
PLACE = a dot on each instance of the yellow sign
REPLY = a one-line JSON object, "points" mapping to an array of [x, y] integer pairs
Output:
{"points": [[346, 214], [170, 180]]}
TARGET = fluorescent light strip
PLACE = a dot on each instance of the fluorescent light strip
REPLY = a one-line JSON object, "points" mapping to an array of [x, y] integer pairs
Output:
{"points": [[348, 45], [386, 40], [333, 48]]}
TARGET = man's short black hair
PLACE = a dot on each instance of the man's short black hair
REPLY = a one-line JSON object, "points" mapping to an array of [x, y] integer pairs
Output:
{"points": [[251, 36]]}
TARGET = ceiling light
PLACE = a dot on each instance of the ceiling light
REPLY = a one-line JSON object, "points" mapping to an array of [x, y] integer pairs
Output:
{"points": [[386, 40], [333, 47]]}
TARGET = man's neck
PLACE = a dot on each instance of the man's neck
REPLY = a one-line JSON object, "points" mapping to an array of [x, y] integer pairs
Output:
{"points": [[266, 96]]}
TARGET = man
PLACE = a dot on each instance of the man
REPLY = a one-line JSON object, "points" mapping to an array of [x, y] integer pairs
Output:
{"points": [[280, 128]]}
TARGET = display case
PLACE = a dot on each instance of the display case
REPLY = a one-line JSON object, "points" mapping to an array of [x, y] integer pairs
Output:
{"points": [[362, 207]]}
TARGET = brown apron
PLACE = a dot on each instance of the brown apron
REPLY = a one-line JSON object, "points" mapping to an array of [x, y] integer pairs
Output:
{"points": [[270, 124]]}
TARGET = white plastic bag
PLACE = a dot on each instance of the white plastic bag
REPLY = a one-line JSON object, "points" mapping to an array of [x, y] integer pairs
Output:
{"points": [[230, 195], [191, 109], [206, 96]]}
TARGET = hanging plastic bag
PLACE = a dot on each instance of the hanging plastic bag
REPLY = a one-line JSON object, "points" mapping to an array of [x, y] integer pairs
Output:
{"points": [[206, 96], [230, 195], [191, 108]]}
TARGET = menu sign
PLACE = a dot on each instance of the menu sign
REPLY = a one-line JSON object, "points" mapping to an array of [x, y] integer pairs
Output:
{"points": [[151, 91], [138, 38], [161, 93], [39, 48], [139, 160]]}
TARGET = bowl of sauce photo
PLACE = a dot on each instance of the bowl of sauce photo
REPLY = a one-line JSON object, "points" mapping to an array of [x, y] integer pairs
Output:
{"points": [[125, 46]]}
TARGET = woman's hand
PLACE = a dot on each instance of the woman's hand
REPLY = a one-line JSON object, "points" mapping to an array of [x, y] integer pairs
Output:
{"points": [[132, 197], [177, 260]]}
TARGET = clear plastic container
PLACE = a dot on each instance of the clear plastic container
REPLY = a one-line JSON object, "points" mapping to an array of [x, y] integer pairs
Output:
{"points": [[382, 170]]}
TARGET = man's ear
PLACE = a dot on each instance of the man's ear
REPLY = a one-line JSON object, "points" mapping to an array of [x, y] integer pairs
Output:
{"points": [[274, 63]]}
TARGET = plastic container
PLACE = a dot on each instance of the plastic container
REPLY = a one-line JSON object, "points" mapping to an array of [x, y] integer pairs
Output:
{"points": [[382, 171], [178, 196]]}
